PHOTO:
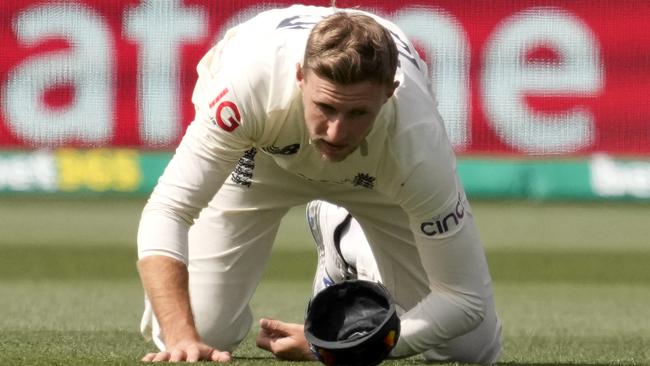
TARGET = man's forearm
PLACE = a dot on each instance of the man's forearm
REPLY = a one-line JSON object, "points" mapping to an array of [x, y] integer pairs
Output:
{"points": [[165, 281]]}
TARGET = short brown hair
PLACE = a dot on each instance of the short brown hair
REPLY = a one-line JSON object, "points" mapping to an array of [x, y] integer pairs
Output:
{"points": [[351, 47]]}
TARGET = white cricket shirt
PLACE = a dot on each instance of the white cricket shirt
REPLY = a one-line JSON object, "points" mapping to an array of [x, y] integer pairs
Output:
{"points": [[247, 96]]}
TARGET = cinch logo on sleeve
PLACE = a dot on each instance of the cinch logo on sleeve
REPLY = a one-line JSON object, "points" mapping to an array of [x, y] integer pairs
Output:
{"points": [[442, 224], [227, 115]]}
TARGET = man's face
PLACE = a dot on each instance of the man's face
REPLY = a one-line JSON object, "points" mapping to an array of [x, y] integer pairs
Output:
{"points": [[338, 117]]}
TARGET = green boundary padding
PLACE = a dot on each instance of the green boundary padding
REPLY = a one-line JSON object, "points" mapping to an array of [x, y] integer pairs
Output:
{"points": [[152, 165], [133, 173], [544, 179]]}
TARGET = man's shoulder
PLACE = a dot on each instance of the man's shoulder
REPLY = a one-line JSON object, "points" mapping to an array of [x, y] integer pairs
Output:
{"points": [[416, 131], [256, 59]]}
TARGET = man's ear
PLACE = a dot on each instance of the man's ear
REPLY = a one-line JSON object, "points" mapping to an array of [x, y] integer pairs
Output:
{"points": [[300, 77]]}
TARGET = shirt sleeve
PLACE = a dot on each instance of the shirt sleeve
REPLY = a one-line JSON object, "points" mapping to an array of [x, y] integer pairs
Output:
{"points": [[223, 129], [459, 283], [449, 249], [188, 183]]}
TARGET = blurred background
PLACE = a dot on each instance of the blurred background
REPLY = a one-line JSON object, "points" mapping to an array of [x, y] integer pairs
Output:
{"points": [[545, 102]]}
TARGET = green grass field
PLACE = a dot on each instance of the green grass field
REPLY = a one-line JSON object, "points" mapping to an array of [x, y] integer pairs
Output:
{"points": [[572, 282]]}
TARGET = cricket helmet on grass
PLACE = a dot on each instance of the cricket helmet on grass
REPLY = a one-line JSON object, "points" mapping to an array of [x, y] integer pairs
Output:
{"points": [[352, 323]]}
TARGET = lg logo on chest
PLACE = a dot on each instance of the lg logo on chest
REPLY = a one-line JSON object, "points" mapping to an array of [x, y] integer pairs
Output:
{"points": [[227, 114], [442, 224]]}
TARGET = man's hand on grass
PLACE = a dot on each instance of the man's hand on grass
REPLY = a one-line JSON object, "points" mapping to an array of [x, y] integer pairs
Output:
{"points": [[188, 351], [285, 340]]}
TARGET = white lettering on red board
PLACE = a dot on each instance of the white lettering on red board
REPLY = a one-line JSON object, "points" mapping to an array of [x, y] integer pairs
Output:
{"points": [[160, 29]]}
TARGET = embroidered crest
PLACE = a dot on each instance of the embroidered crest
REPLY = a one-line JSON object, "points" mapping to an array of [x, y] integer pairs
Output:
{"points": [[364, 180], [243, 172]]}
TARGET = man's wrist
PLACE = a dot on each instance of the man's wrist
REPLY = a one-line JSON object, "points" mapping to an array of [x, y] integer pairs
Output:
{"points": [[181, 333]]}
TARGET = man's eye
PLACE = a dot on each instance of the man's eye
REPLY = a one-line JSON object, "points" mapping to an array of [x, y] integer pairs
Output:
{"points": [[358, 113], [326, 108]]}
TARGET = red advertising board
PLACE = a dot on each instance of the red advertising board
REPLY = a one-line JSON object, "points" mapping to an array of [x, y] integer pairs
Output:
{"points": [[525, 77]]}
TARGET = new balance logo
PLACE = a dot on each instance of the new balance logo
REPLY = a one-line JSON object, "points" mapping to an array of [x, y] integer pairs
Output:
{"points": [[296, 22], [327, 281]]}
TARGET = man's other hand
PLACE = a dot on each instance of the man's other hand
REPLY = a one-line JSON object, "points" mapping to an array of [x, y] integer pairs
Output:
{"points": [[285, 340]]}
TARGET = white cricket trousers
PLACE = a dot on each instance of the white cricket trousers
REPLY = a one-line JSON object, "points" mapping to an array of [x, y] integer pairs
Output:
{"points": [[230, 244]]}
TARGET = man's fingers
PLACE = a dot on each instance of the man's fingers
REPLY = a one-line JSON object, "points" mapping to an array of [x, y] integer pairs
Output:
{"points": [[177, 355], [189, 352], [265, 323], [161, 356], [273, 326], [219, 356], [264, 341], [192, 354], [148, 357]]}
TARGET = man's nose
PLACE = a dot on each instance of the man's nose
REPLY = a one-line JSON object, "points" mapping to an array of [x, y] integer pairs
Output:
{"points": [[336, 129]]}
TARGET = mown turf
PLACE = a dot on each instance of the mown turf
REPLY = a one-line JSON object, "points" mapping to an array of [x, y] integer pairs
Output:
{"points": [[527, 265], [572, 282]]}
